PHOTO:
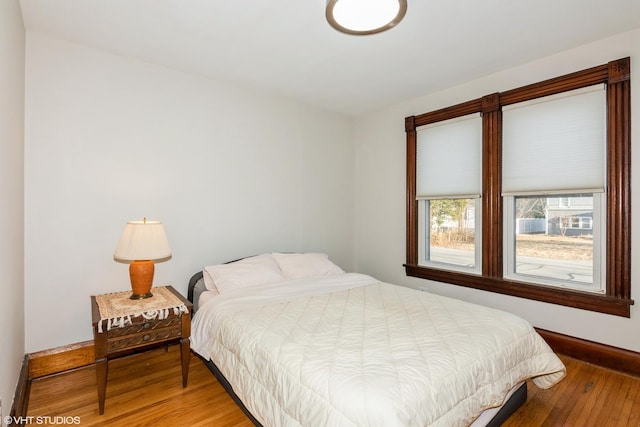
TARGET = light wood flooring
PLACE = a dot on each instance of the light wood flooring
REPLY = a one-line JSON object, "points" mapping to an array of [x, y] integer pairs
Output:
{"points": [[146, 390]]}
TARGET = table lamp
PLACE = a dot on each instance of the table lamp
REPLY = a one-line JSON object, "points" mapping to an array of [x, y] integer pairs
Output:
{"points": [[142, 243]]}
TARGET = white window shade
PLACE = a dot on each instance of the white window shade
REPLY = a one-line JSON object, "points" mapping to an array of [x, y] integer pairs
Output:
{"points": [[449, 159], [555, 144]]}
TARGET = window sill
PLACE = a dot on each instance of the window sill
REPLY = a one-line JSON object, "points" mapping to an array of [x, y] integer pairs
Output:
{"points": [[566, 297]]}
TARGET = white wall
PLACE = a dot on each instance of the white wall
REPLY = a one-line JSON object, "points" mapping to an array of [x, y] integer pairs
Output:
{"points": [[380, 192], [231, 172], [12, 41]]}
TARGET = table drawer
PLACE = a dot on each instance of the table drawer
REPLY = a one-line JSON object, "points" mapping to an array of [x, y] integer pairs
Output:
{"points": [[143, 332], [140, 324]]}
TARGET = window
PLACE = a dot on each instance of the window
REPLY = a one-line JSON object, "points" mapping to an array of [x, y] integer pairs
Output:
{"points": [[555, 145], [448, 179], [553, 244], [551, 218], [450, 234]]}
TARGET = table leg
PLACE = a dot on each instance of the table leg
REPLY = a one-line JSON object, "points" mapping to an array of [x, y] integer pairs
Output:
{"points": [[184, 358], [102, 366]]}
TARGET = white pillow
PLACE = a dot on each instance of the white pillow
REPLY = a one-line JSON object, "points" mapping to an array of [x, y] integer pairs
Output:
{"points": [[253, 271], [208, 281], [298, 266]]}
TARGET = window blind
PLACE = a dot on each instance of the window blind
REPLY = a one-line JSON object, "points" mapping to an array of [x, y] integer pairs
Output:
{"points": [[555, 144], [449, 159]]}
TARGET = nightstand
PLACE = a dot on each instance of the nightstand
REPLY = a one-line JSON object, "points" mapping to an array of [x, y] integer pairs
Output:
{"points": [[122, 326]]}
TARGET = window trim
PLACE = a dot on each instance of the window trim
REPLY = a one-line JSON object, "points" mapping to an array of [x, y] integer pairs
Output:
{"points": [[617, 298]]}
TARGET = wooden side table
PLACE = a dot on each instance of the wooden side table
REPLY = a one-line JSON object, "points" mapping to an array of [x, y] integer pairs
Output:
{"points": [[123, 326]]}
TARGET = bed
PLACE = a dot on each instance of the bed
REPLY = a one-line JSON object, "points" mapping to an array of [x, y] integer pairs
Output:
{"points": [[297, 341]]}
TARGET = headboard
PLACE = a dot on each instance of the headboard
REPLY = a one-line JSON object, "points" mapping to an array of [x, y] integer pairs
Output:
{"points": [[196, 287]]}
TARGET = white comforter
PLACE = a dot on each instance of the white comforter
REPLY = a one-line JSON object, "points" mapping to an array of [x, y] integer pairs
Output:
{"points": [[348, 350]]}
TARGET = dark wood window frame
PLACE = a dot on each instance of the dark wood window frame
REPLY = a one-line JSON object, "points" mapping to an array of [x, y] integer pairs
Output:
{"points": [[617, 298]]}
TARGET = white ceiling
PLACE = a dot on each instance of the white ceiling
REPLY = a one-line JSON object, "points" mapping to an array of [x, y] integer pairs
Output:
{"points": [[287, 48]]}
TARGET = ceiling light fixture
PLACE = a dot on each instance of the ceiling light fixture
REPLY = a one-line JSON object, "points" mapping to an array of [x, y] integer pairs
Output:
{"points": [[362, 17]]}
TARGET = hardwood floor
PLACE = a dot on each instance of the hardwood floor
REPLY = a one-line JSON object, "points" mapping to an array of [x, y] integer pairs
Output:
{"points": [[146, 389], [588, 396], [142, 390]]}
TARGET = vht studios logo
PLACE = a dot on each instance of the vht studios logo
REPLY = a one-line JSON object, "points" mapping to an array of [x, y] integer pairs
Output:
{"points": [[57, 420]]}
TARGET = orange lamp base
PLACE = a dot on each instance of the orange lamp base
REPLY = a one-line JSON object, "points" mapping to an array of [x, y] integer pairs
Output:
{"points": [[141, 275]]}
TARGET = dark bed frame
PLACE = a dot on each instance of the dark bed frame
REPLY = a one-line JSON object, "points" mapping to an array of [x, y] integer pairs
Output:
{"points": [[517, 399]]}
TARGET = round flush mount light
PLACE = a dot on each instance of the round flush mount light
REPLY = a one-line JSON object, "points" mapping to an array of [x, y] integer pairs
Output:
{"points": [[362, 17]]}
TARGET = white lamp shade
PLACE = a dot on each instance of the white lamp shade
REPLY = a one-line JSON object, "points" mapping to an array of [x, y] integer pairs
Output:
{"points": [[142, 240]]}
